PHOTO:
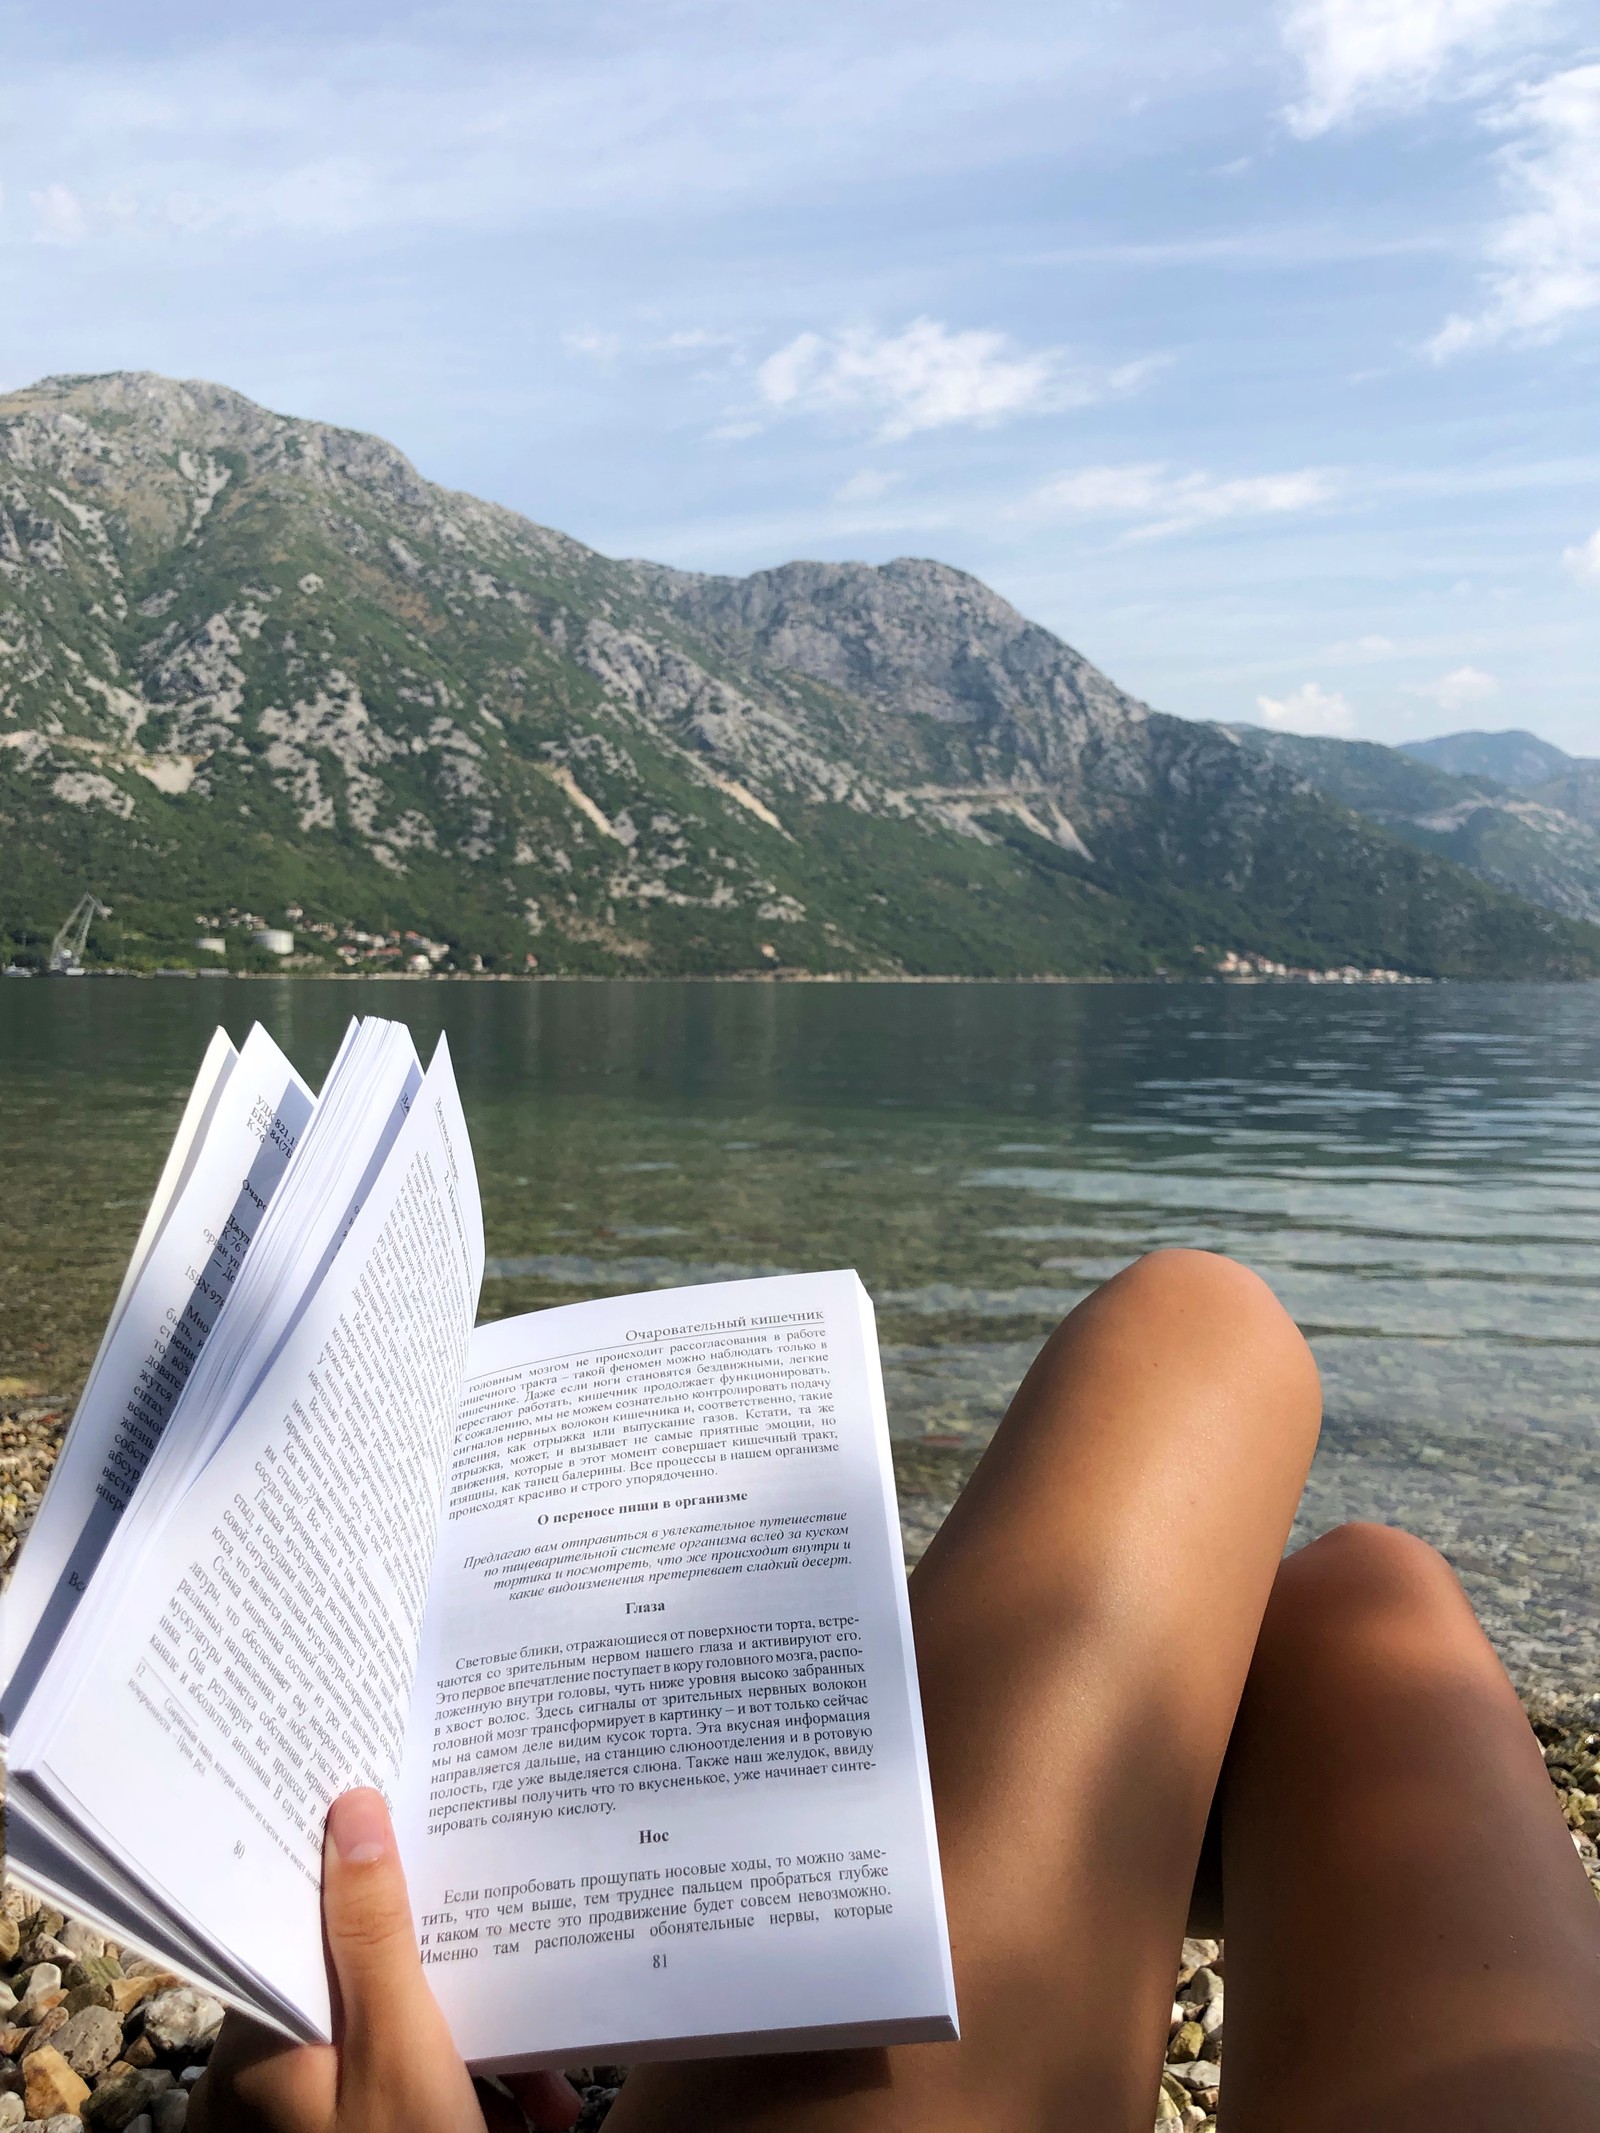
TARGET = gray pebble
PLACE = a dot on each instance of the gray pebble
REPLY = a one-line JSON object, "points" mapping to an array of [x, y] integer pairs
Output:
{"points": [[89, 2041], [1197, 2073], [1204, 1987], [182, 2020]]}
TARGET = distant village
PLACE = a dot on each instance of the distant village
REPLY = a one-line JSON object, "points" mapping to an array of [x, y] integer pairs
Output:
{"points": [[416, 954], [1259, 969]]}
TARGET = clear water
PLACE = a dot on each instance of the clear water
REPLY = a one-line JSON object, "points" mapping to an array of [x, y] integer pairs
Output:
{"points": [[1417, 1173]]}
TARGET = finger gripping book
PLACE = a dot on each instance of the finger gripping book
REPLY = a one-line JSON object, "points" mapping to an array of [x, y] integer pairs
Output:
{"points": [[607, 1599]]}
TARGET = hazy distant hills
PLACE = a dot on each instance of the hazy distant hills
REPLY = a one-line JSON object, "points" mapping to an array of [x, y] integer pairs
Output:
{"points": [[1512, 758], [248, 662], [1531, 827], [1544, 774]]}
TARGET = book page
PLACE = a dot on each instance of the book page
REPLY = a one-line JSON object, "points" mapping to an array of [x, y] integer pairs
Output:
{"points": [[102, 1897], [216, 1064], [665, 1788], [263, 1661], [338, 1158], [360, 1111], [159, 1329]]}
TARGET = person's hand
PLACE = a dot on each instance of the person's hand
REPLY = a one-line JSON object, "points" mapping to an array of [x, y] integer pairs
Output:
{"points": [[391, 2062]]}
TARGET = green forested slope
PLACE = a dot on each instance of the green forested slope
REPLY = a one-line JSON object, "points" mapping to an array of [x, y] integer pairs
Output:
{"points": [[249, 663]]}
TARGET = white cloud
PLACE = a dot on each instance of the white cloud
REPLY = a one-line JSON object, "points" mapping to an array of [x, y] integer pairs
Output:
{"points": [[1308, 709], [865, 487], [1584, 560], [1456, 690], [1347, 650], [592, 344], [60, 217], [1169, 502], [1544, 261], [929, 377], [694, 339], [1363, 55]]}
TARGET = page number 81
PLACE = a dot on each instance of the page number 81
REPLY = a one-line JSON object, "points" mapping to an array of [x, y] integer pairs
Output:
{"points": [[658, 1962]]}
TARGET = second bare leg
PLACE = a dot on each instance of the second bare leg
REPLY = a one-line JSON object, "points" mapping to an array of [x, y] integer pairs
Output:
{"points": [[1411, 1940]]}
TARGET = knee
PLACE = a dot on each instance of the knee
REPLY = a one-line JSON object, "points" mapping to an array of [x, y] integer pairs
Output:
{"points": [[1363, 1622], [1208, 1332], [1361, 1573], [1179, 1277], [1205, 1293], [1366, 1557]]}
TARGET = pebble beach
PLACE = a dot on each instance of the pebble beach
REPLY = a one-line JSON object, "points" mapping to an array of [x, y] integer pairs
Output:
{"points": [[96, 2036]]}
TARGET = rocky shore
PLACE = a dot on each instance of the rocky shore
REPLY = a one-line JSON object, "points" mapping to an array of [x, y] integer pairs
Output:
{"points": [[96, 2039], [93, 2038], [32, 1426]]}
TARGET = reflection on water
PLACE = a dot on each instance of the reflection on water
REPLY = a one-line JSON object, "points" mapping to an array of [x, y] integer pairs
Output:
{"points": [[1414, 1171]]}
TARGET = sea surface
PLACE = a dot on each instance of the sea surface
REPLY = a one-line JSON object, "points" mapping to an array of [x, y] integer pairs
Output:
{"points": [[1416, 1171]]}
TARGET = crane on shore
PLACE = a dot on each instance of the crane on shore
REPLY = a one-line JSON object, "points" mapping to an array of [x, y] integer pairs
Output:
{"points": [[66, 950]]}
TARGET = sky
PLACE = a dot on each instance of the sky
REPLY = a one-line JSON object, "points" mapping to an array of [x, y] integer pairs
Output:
{"points": [[1254, 348]]}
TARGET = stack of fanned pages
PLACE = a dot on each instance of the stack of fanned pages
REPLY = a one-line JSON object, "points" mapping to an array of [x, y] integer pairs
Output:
{"points": [[608, 1600]]}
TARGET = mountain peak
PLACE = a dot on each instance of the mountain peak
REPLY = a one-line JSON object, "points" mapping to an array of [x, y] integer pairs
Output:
{"points": [[914, 638], [1514, 757], [132, 418]]}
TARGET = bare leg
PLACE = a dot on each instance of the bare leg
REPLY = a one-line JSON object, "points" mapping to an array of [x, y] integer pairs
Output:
{"points": [[1403, 1901], [1084, 1623]]}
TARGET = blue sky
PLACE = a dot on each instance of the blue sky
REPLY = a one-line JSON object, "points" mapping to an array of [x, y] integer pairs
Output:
{"points": [[1254, 348]]}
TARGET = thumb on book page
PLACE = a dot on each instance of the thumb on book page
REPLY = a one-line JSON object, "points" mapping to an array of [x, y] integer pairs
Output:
{"points": [[394, 2047]]}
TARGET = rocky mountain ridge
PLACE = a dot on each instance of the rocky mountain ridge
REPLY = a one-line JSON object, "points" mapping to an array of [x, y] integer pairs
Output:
{"points": [[250, 663], [1512, 757], [1532, 768], [1540, 840]]}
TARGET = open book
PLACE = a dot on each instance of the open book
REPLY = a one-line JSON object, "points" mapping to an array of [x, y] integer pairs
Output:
{"points": [[607, 1599]]}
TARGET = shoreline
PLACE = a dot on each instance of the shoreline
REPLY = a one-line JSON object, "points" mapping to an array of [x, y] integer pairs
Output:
{"points": [[785, 977]]}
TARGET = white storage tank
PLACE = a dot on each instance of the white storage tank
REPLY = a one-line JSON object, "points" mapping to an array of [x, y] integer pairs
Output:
{"points": [[277, 940]]}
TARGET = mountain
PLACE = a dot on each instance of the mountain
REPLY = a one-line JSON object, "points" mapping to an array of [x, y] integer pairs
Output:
{"points": [[254, 668], [1574, 791], [1542, 844], [1515, 758], [1543, 773]]}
